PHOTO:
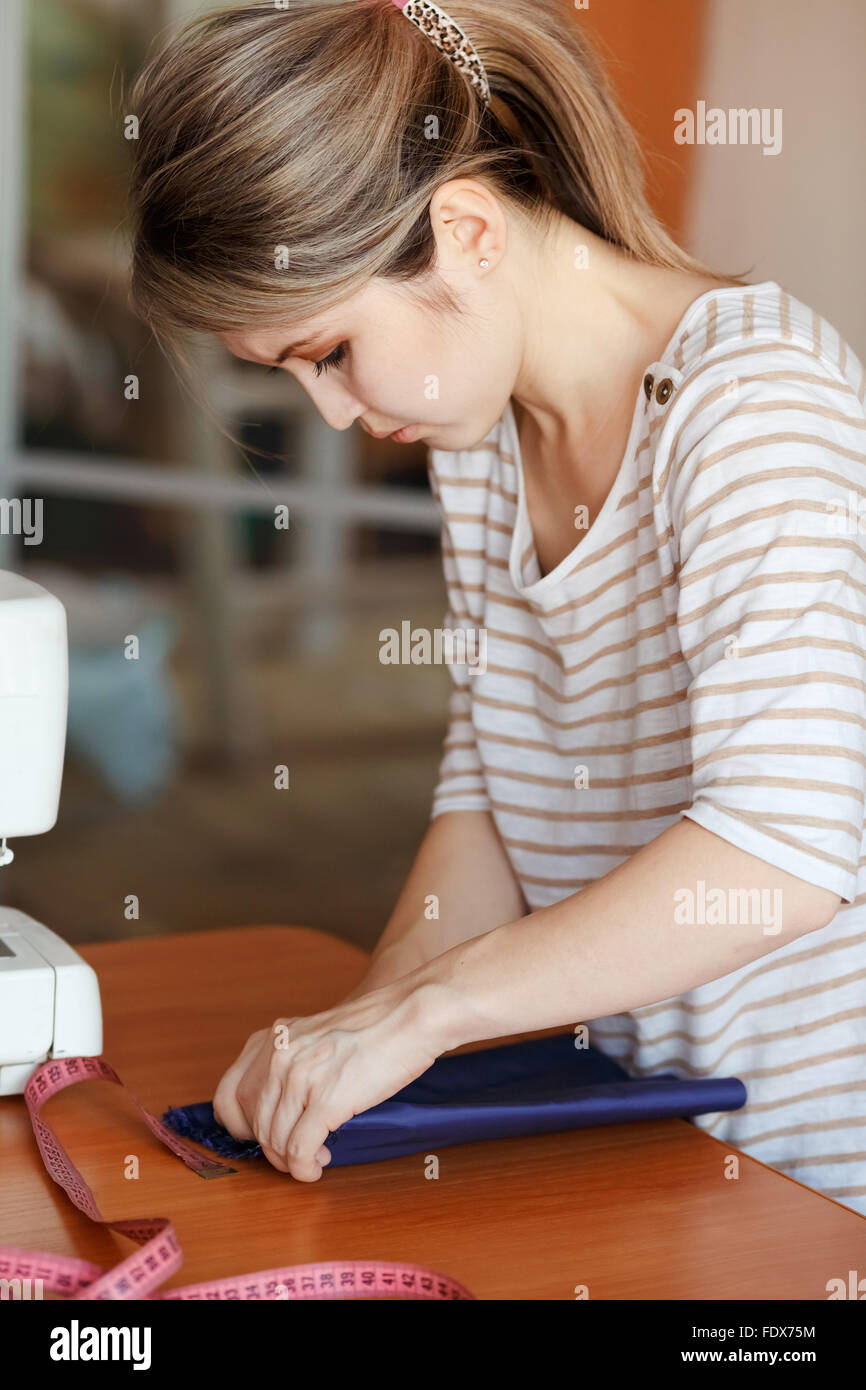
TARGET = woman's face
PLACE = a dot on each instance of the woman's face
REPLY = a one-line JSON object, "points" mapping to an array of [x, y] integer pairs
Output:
{"points": [[387, 361]]}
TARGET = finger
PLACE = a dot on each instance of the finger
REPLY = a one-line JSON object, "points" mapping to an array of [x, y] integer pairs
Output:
{"points": [[260, 1100], [305, 1142], [228, 1113], [259, 1091], [286, 1114], [275, 1060], [276, 1160], [226, 1105]]}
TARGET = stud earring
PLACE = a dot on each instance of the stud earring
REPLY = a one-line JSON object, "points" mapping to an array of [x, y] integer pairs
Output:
{"points": [[484, 263]]}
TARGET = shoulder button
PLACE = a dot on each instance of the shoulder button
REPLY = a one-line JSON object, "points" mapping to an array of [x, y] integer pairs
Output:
{"points": [[664, 390]]}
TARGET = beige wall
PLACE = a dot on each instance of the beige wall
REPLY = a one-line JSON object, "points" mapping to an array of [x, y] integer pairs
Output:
{"points": [[800, 216]]}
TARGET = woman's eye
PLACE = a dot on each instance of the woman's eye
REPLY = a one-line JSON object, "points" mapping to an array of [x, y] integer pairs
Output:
{"points": [[333, 359]]}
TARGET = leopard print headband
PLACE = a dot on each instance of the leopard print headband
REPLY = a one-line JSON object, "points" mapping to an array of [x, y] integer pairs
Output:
{"points": [[450, 39]]}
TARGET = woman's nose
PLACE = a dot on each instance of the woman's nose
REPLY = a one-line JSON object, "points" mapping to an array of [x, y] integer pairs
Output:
{"points": [[337, 406]]}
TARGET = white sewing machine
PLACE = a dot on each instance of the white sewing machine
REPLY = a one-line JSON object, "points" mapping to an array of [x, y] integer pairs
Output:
{"points": [[49, 996]]}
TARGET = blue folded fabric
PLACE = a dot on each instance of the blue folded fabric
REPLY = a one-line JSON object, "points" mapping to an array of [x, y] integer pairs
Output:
{"points": [[538, 1086]]}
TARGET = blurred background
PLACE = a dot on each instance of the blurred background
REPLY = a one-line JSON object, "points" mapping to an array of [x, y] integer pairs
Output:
{"points": [[258, 648]]}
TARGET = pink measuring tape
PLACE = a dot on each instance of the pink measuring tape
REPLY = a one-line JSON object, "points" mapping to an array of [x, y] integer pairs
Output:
{"points": [[159, 1254]]}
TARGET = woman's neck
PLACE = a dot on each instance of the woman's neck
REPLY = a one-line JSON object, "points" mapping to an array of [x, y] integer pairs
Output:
{"points": [[590, 328]]}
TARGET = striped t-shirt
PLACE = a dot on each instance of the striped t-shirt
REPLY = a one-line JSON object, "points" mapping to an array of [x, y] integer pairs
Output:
{"points": [[701, 652]]}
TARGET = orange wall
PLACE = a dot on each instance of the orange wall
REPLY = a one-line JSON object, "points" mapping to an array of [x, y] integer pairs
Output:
{"points": [[652, 51]]}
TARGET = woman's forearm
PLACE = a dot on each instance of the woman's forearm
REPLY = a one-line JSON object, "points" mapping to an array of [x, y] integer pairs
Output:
{"points": [[461, 884], [389, 963], [617, 944]]}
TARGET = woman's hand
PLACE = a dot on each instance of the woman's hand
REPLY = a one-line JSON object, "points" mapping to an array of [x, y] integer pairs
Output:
{"points": [[297, 1081]]}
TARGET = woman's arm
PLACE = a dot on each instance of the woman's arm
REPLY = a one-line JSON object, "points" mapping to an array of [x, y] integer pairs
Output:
{"points": [[462, 864], [616, 945], [613, 946]]}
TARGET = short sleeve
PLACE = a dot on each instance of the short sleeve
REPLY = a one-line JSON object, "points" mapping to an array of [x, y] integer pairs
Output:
{"points": [[765, 487], [461, 785]]}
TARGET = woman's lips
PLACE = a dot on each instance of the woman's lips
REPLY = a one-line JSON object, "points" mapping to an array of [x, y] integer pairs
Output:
{"points": [[403, 435]]}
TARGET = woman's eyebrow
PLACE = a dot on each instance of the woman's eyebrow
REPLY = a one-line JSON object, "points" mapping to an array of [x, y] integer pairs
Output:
{"points": [[293, 347]]}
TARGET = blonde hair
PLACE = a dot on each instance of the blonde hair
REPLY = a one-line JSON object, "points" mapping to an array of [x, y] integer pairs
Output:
{"points": [[308, 128]]}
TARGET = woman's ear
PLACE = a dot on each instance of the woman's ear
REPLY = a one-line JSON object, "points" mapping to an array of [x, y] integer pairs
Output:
{"points": [[469, 225]]}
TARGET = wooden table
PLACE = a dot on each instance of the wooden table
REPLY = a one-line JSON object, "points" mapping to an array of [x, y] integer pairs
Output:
{"points": [[638, 1211]]}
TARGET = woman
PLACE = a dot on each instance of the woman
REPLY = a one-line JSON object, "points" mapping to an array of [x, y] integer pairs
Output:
{"points": [[650, 809]]}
